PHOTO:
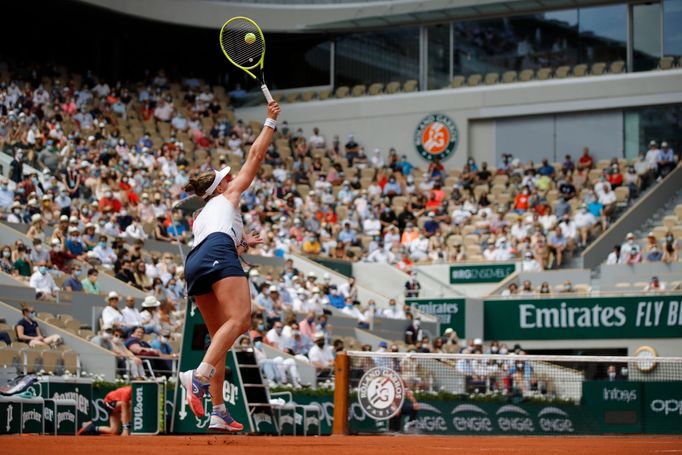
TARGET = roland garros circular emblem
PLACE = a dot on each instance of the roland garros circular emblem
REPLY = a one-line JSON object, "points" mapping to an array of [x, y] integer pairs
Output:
{"points": [[381, 393], [436, 136]]}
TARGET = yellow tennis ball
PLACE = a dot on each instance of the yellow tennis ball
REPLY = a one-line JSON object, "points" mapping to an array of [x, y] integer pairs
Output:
{"points": [[250, 38]]}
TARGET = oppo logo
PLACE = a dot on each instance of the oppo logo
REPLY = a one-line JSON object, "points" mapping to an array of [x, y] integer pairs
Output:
{"points": [[667, 406]]}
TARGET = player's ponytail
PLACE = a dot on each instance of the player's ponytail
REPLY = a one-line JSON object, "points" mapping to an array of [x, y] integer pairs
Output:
{"points": [[199, 184]]}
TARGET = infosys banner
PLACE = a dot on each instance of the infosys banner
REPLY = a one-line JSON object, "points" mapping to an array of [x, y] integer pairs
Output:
{"points": [[655, 316]]}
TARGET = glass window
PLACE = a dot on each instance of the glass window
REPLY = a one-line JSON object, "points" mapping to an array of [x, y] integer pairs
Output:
{"points": [[293, 61], [646, 36], [381, 56], [672, 27], [654, 123], [603, 33], [438, 56]]}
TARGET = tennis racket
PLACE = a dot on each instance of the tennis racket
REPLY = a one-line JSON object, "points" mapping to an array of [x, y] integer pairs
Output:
{"points": [[242, 42]]}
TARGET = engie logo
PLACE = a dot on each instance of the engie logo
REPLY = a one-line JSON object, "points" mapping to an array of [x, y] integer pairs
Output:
{"points": [[515, 419], [468, 417], [381, 393], [436, 136], [667, 406], [555, 420], [621, 395]]}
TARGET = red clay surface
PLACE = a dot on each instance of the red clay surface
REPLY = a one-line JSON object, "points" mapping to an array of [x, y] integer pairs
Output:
{"points": [[384, 445]]}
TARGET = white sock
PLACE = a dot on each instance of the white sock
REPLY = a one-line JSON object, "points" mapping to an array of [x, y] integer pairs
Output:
{"points": [[219, 409], [206, 369]]}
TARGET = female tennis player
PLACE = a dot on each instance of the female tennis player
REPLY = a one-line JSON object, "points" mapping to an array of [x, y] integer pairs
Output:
{"points": [[215, 277]]}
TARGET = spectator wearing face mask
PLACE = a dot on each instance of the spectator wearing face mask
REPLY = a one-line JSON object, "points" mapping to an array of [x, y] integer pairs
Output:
{"points": [[321, 356], [108, 203], [335, 298], [90, 284], [105, 253], [275, 336], [73, 282], [413, 332], [393, 311], [307, 326], [28, 330], [43, 283]]}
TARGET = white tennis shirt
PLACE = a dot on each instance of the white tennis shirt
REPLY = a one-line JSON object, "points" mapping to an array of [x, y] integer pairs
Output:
{"points": [[219, 215]]}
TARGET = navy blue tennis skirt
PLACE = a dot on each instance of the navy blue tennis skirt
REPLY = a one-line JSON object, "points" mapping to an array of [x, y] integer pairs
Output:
{"points": [[212, 260]]}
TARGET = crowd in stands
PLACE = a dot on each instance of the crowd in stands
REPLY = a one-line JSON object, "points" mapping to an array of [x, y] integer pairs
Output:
{"points": [[96, 168]]}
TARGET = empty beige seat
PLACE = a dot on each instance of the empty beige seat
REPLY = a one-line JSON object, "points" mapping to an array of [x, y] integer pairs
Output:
{"points": [[678, 211], [598, 69], [308, 95], [666, 63], [617, 67], [562, 72], [526, 75], [474, 80], [50, 360], [491, 78], [324, 94], [544, 74], [622, 195], [393, 87], [580, 70], [342, 91], [358, 90], [623, 285], [410, 86], [669, 221], [70, 361], [292, 97], [376, 88], [509, 76], [457, 81]]}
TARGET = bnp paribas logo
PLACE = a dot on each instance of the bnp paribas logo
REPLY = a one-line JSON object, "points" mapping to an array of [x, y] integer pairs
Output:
{"points": [[436, 136]]}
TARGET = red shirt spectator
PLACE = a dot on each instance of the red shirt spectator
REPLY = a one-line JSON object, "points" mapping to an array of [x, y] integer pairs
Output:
{"points": [[521, 201], [586, 161], [615, 178], [109, 202]]}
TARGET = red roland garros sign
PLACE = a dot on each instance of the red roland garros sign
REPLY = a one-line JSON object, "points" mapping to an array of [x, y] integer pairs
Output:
{"points": [[436, 137]]}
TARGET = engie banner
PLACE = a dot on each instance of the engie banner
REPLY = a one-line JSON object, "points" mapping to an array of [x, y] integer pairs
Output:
{"points": [[570, 318]]}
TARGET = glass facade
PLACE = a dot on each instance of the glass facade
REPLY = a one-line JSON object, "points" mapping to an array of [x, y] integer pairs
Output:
{"points": [[646, 36], [381, 56], [655, 123], [309, 66], [438, 50], [546, 39], [672, 27]]}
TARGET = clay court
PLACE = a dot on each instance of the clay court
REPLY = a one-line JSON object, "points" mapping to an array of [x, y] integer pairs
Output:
{"points": [[182, 445]]}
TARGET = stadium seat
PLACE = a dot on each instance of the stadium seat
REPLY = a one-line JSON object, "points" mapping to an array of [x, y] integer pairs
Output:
{"points": [[375, 89], [393, 87], [509, 76], [562, 72], [544, 74], [617, 67], [410, 86], [666, 63], [358, 90], [457, 81], [580, 70], [50, 360], [474, 79], [526, 75], [7, 356], [342, 92], [491, 78], [324, 94], [292, 97], [70, 361], [678, 211], [307, 95], [622, 195], [72, 325], [32, 359], [670, 220]]}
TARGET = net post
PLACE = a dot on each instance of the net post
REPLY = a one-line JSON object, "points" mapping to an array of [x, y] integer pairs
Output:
{"points": [[341, 395]]}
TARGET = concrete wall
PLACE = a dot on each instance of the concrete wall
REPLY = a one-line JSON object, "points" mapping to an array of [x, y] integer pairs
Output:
{"points": [[636, 273], [390, 120], [440, 273]]}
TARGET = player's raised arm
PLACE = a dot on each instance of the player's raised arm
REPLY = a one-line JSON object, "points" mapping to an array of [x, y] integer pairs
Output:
{"points": [[256, 153]]}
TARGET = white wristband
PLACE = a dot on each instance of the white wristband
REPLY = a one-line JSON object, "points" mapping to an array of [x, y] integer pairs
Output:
{"points": [[270, 123]]}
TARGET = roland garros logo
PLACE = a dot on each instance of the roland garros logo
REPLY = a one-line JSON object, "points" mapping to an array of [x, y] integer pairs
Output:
{"points": [[436, 137], [381, 393]]}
